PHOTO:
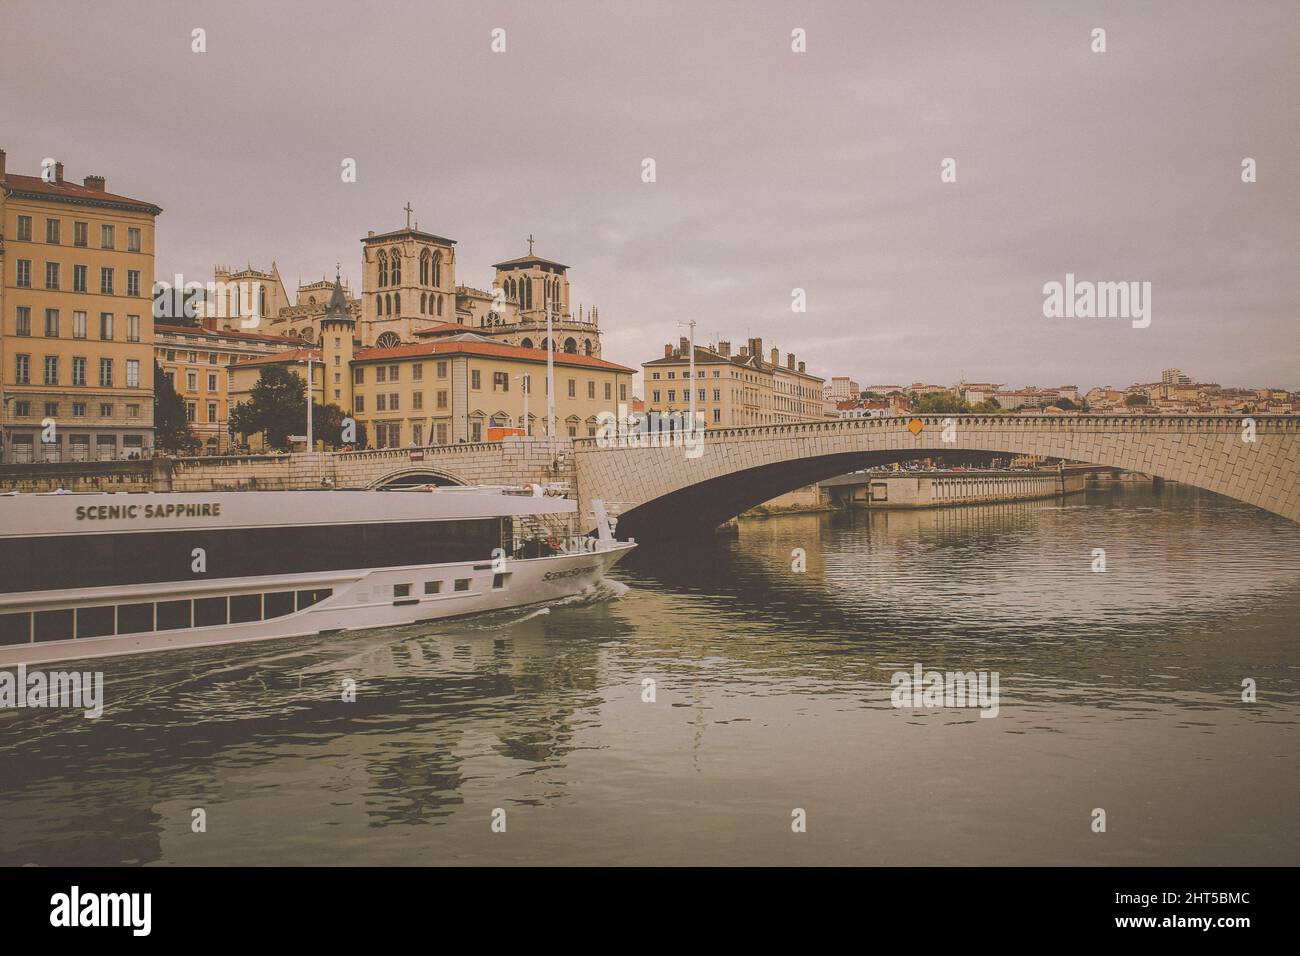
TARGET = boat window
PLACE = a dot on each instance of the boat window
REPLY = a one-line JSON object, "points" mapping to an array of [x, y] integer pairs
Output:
{"points": [[401, 590], [151, 557], [498, 582], [95, 621], [132, 618], [432, 587], [308, 598], [278, 604], [173, 615], [54, 625], [462, 584], [209, 612], [16, 628], [245, 608]]}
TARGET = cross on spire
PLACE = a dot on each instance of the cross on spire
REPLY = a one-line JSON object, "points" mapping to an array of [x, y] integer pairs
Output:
{"points": [[530, 243], [409, 210]]}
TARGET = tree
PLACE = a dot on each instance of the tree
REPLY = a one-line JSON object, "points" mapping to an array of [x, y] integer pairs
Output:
{"points": [[327, 423], [990, 406], [1137, 398], [172, 432], [1064, 403], [276, 407], [941, 403]]}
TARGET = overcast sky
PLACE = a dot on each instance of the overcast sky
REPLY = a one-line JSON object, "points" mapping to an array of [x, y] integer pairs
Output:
{"points": [[775, 170]]}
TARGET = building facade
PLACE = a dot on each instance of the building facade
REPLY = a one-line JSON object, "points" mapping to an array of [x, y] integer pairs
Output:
{"points": [[732, 391], [76, 320], [448, 389], [198, 359]]}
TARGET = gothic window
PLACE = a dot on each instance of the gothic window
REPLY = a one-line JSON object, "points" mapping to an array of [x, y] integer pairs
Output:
{"points": [[423, 298], [397, 266], [388, 340], [586, 346], [397, 302], [388, 303], [526, 344], [424, 269], [440, 306], [570, 346], [436, 272], [383, 267]]}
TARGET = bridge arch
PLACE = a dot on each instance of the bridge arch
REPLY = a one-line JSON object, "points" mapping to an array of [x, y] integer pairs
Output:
{"points": [[415, 475], [662, 492]]}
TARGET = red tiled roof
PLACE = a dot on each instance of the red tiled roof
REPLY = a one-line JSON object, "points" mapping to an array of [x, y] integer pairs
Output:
{"points": [[226, 334], [72, 192], [444, 328], [486, 350], [295, 355]]}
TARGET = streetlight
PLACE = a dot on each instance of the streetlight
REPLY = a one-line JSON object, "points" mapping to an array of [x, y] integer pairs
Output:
{"points": [[690, 392], [550, 376], [308, 361]]}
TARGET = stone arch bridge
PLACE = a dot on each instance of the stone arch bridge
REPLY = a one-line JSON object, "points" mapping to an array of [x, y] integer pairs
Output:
{"points": [[662, 492]]}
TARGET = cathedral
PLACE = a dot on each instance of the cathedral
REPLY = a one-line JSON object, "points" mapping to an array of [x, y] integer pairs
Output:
{"points": [[409, 295]]}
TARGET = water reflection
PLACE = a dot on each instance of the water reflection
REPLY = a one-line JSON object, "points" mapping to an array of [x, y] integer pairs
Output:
{"points": [[771, 690]]}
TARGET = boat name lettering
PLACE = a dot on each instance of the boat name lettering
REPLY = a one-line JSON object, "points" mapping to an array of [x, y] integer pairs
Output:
{"points": [[570, 573], [109, 512]]}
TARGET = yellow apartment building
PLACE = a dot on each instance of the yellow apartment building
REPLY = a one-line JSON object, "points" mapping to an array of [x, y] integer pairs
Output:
{"points": [[732, 390], [448, 390], [76, 321]]}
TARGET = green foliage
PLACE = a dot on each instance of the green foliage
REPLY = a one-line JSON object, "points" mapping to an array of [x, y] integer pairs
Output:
{"points": [[277, 408], [941, 403], [172, 433], [1137, 398], [1065, 403]]}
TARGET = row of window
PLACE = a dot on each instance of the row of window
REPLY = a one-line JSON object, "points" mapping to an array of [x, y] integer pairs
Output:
{"points": [[686, 395], [22, 408], [703, 373], [80, 234], [152, 557], [192, 412], [192, 381], [106, 620], [53, 278], [50, 371], [80, 324]]}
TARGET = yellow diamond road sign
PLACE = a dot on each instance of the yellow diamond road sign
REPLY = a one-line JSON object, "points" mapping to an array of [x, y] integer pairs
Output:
{"points": [[915, 426]]}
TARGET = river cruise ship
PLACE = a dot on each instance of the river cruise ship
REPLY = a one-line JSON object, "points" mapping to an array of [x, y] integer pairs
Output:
{"points": [[94, 575]]}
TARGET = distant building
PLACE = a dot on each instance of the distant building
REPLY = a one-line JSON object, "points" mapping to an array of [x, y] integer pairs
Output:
{"points": [[733, 390], [840, 388]]}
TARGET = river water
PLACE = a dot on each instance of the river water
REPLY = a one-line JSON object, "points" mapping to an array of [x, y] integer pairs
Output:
{"points": [[1119, 691]]}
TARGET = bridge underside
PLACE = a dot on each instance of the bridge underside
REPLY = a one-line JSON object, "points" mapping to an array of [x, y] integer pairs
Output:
{"points": [[699, 508]]}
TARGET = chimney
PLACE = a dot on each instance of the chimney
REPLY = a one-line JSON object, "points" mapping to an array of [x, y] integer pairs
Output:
{"points": [[2, 164], [668, 351], [756, 348], [801, 366], [789, 361], [93, 182], [776, 356], [685, 345], [744, 351], [724, 349], [58, 172]]}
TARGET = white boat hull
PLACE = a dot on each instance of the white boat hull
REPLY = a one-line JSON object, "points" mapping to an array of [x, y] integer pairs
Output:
{"points": [[359, 600]]}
